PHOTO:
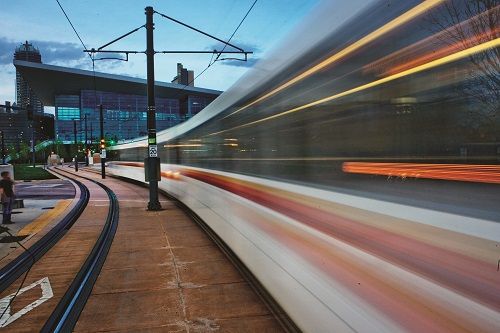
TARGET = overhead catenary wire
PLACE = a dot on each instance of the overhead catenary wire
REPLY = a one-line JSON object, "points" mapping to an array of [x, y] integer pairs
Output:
{"points": [[91, 56], [73, 27], [225, 45]]}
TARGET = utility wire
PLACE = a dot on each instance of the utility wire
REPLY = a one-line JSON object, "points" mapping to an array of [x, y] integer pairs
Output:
{"points": [[225, 45], [72, 26], [90, 55], [239, 25]]}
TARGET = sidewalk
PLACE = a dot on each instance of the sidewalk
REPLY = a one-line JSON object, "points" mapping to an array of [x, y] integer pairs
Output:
{"points": [[44, 201]]}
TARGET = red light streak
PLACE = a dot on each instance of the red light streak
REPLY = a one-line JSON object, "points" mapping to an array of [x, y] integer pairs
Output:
{"points": [[459, 172]]}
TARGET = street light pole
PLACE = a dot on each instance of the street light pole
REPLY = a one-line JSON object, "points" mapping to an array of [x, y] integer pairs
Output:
{"points": [[31, 117], [3, 148], [102, 143], [152, 164], [76, 145], [86, 142]]}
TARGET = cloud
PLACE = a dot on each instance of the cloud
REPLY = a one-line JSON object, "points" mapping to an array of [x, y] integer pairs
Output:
{"points": [[6, 51], [232, 59], [59, 53], [52, 52]]}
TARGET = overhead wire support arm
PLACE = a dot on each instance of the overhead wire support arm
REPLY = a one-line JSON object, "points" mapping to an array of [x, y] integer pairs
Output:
{"points": [[93, 51], [121, 37], [209, 52], [198, 30]]}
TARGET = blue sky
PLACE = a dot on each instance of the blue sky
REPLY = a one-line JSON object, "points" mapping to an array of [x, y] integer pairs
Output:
{"points": [[98, 22]]}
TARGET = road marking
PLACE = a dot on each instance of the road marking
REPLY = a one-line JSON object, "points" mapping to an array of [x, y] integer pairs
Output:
{"points": [[7, 318]]}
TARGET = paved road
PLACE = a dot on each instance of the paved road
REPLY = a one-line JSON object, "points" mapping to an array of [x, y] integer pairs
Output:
{"points": [[45, 189]]}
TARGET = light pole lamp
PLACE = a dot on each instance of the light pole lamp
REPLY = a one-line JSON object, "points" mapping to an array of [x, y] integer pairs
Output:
{"points": [[76, 145], [3, 147], [31, 119], [86, 147], [102, 143]]}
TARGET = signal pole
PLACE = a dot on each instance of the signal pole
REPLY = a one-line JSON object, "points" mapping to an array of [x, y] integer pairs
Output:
{"points": [[152, 164], [152, 161]]}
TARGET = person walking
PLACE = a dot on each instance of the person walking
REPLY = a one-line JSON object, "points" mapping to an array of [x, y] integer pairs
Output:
{"points": [[7, 197]]}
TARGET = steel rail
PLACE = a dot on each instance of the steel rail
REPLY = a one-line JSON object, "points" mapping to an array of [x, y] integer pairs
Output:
{"points": [[274, 307], [10, 272], [69, 308]]}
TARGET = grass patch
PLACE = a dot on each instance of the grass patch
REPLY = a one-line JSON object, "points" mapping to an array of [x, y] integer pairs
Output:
{"points": [[27, 172]]}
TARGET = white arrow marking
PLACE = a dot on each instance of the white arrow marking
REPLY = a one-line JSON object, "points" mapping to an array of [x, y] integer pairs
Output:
{"points": [[7, 318]]}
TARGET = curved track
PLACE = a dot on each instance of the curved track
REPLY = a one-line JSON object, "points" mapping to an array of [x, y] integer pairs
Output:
{"points": [[274, 307], [65, 316], [23, 262]]}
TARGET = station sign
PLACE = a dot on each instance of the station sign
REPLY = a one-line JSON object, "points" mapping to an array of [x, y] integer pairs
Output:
{"points": [[153, 151]]}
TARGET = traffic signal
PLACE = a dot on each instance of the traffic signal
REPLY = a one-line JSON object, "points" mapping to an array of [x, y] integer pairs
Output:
{"points": [[103, 144]]}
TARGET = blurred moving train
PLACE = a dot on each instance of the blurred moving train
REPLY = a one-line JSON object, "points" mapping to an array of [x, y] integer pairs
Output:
{"points": [[355, 170]]}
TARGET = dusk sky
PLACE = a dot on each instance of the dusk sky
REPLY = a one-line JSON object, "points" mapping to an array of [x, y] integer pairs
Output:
{"points": [[98, 22]]}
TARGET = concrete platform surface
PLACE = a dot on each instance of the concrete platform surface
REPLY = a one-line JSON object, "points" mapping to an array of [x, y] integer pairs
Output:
{"points": [[44, 202], [162, 274]]}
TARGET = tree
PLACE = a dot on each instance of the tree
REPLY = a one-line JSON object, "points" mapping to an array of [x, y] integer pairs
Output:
{"points": [[463, 24]]}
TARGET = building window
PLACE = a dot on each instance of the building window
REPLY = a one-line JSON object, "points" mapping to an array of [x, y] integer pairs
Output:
{"points": [[67, 113]]}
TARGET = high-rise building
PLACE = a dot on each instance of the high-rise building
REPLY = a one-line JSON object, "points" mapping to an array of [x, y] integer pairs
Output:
{"points": [[184, 76], [24, 94]]}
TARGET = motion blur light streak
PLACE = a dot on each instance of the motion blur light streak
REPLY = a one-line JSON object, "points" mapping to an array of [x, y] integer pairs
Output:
{"points": [[460, 172], [406, 17], [382, 262], [435, 54], [428, 44], [320, 206], [435, 63], [184, 145]]}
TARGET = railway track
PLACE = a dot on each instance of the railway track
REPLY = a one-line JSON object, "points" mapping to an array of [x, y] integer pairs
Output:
{"points": [[274, 307], [10, 272], [65, 315]]}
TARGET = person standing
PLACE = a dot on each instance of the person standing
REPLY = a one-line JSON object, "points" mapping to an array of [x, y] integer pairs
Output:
{"points": [[7, 197]]}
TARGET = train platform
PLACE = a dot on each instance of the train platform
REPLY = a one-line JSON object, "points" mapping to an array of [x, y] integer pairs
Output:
{"points": [[162, 273]]}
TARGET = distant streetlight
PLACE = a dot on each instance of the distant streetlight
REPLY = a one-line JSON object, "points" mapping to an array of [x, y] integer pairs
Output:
{"points": [[86, 147], [3, 147], [76, 145], [32, 120]]}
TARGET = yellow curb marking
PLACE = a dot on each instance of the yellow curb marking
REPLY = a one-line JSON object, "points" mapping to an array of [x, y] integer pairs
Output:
{"points": [[43, 220]]}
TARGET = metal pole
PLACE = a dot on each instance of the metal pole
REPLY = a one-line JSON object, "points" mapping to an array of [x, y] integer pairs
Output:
{"points": [[76, 145], [86, 143], [103, 148], [91, 135], [152, 159], [3, 148], [33, 137]]}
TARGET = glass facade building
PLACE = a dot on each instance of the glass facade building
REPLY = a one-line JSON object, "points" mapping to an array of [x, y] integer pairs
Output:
{"points": [[124, 114]]}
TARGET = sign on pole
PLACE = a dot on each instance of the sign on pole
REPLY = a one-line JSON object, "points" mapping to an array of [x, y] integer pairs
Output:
{"points": [[153, 151]]}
